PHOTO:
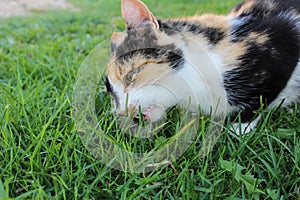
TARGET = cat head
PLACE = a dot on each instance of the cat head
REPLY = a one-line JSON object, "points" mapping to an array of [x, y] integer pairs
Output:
{"points": [[140, 77]]}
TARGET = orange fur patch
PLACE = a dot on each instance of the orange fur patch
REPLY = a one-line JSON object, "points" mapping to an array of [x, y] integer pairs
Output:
{"points": [[258, 38], [231, 52]]}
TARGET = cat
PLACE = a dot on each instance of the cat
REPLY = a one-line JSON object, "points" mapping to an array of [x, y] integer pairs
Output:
{"points": [[226, 64]]}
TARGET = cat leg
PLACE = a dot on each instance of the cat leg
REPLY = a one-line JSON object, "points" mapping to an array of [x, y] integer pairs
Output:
{"points": [[244, 128]]}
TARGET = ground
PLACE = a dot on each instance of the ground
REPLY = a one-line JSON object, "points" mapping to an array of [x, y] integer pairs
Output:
{"points": [[10, 8]]}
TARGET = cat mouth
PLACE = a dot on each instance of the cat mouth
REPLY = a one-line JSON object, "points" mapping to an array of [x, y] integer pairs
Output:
{"points": [[139, 126]]}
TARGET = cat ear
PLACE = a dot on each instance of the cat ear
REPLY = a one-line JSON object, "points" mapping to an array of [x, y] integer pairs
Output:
{"points": [[136, 14], [116, 39]]}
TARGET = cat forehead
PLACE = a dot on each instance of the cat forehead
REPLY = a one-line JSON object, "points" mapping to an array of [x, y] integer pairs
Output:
{"points": [[132, 40], [142, 43]]}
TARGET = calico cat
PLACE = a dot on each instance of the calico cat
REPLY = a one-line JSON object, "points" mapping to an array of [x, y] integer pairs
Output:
{"points": [[227, 65]]}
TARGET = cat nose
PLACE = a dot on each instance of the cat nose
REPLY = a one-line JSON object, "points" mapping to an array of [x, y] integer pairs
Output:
{"points": [[132, 111]]}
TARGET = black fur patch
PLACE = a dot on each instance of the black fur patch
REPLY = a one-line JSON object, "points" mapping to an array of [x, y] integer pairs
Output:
{"points": [[262, 8], [265, 69], [110, 91], [143, 42], [113, 47], [108, 85], [214, 35]]}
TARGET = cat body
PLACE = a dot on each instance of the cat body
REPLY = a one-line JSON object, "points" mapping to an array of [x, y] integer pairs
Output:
{"points": [[224, 65]]}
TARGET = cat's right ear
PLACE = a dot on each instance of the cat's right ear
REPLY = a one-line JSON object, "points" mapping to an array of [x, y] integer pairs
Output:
{"points": [[136, 14]]}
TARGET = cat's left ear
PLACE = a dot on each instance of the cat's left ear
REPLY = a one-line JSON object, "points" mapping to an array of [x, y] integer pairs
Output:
{"points": [[116, 39], [136, 14]]}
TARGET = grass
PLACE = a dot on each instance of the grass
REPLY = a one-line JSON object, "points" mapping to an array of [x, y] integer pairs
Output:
{"points": [[43, 157]]}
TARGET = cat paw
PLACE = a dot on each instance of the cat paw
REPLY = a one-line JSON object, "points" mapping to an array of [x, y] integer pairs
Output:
{"points": [[242, 128]]}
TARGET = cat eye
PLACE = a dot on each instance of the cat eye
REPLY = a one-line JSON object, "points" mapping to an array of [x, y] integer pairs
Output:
{"points": [[131, 77]]}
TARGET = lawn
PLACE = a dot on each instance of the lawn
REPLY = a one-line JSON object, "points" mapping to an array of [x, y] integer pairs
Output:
{"points": [[43, 157]]}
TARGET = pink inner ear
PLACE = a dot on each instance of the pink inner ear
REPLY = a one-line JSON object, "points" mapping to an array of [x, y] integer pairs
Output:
{"points": [[136, 13]]}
